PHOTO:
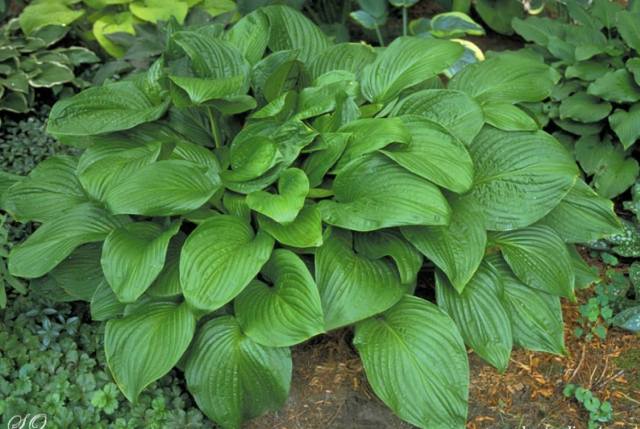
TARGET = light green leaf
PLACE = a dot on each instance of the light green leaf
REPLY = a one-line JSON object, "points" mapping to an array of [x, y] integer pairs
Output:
{"points": [[617, 86], [163, 188], [434, 154], [291, 30], [616, 173], [506, 79], [305, 231], [590, 149], [288, 311], [197, 154], [133, 256], [369, 135], [234, 379], [536, 317], [352, 57], [57, 238], [539, 258], [365, 19], [353, 287], [220, 257], [50, 189], [389, 242], [416, 363], [200, 90], [159, 10], [103, 109], [480, 314], [519, 176], [38, 15], [144, 345], [458, 248], [628, 28], [113, 23], [406, 62], [454, 110], [508, 117], [251, 158], [626, 125], [250, 35], [582, 107], [373, 192], [293, 187], [583, 216]]}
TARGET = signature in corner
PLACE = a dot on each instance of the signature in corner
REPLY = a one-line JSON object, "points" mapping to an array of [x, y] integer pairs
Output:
{"points": [[38, 421]]}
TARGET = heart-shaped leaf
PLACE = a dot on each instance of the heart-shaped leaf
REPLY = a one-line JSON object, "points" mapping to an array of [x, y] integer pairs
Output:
{"points": [[144, 345], [353, 287], [133, 256], [416, 362], [234, 379], [625, 125], [286, 313], [374, 192], [293, 187], [221, 257], [304, 231]]}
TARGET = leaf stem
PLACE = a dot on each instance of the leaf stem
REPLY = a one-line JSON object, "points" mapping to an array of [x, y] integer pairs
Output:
{"points": [[215, 131], [404, 21], [380, 40]]}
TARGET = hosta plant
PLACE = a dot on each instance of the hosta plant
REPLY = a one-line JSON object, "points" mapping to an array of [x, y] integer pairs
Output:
{"points": [[31, 57], [260, 186], [595, 105]]}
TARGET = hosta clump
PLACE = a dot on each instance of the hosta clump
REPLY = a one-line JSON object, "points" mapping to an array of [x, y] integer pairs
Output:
{"points": [[260, 186], [595, 105]]}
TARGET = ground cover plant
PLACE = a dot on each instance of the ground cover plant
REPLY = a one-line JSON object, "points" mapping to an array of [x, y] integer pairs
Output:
{"points": [[260, 186]]}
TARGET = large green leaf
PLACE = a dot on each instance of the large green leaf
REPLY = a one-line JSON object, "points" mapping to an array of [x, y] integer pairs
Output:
{"points": [[585, 275], [455, 110], [519, 176], [498, 14], [221, 257], [304, 231], [457, 248], [105, 164], [105, 304], [285, 313], [416, 363], [233, 378], [626, 125], [508, 79], [50, 189], [617, 86], [583, 216], [167, 284], [250, 35], [352, 57], [582, 107], [369, 135], [434, 154], [374, 192], [57, 238], [293, 187], [353, 287], [133, 256], [538, 30], [389, 242], [144, 345], [628, 28], [538, 257], [318, 163], [480, 314], [291, 30], [508, 117], [406, 62], [536, 316], [80, 274], [45, 13], [103, 109], [163, 188]]}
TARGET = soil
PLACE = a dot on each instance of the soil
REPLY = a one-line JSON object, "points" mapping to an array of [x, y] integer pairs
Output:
{"points": [[329, 388]]}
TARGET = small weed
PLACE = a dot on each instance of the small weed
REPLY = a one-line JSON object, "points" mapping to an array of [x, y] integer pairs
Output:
{"points": [[599, 412]]}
